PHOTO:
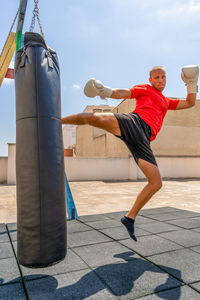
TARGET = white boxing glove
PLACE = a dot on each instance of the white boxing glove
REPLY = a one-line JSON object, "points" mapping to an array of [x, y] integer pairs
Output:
{"points": [[96, 88], [190, 76]]}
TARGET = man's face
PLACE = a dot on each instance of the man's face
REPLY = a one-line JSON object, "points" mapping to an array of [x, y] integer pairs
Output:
{"points": [[158, 79]]}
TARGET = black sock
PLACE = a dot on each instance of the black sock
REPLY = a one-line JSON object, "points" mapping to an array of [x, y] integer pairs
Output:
{"points": [[129, 224], [132, 220]]}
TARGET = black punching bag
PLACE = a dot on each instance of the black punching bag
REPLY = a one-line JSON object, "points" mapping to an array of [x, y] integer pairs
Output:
{"points": [[41, 205]]}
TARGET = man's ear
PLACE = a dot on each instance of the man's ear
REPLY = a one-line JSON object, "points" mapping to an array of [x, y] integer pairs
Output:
{"points": [[150, 79]]}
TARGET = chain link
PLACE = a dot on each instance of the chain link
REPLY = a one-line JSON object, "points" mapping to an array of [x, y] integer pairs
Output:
{"points": [[36, 15]]}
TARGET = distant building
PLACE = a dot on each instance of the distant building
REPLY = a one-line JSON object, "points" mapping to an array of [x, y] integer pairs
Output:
{"points": [[69, 136], [98, 108], [86, 134]]}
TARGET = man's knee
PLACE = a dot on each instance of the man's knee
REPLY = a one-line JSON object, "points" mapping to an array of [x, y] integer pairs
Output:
{"points": [[94, 118], [156, 185], [99, 118], [88, 118]]}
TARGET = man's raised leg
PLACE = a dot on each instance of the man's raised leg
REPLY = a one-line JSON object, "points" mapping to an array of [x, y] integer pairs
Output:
{"points": [[106, 121]]}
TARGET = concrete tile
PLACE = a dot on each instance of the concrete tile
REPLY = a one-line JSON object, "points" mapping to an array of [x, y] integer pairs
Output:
{"points": [[3, 234], [183, 237], [135, 278], [158, 210], [2, 227], [85, 238], [103, 254], [6, 250], [187, 223], [116, 215], [76, 285], [156, 227], [186, 214], [196, 249], [9, 271], [104, 224], [150, 245], [12, 292], [196, 229], [196, 285], [93, 218], [13, 235], [164, 217], [180, 293], [71, 263], [120, 233], [143, 220], [76, 226], [15, 246], [12, 227], [185, 261]]}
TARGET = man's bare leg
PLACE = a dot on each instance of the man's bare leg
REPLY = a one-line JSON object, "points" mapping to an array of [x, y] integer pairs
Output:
{"points": [[106, 121], [154, 184]]}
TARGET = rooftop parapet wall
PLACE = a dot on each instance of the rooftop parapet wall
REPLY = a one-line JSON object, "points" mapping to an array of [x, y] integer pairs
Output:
{"points": [[3, 169]]}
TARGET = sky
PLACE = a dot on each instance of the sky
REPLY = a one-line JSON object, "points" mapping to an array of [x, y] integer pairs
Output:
{"points": [[115, 41]]}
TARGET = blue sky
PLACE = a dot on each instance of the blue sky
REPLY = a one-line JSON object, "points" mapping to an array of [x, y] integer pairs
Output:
{"points": [[115, 41]]}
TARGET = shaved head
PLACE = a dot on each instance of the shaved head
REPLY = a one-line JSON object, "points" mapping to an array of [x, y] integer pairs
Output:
{"points": [[157, 68], [158, 78]]}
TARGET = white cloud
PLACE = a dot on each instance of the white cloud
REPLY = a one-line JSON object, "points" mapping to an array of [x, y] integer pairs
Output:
{"points": [[76, 86], [194, 7], [181, 9]]}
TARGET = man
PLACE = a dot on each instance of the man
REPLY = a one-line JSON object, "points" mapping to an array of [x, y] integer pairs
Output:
{"points": [[141, 126]]}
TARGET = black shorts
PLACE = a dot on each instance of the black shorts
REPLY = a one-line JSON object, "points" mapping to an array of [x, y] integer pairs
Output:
{"points": [[135, 133]]}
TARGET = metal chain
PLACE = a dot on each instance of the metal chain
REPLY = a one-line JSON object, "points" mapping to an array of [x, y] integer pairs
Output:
{"points": [[36, 15]]}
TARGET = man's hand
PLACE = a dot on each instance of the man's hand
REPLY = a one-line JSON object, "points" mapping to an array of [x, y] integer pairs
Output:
{"points": [[95, 88], [190, 76]]}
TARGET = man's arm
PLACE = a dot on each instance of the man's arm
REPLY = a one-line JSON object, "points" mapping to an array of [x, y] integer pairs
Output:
{"points": [[121, 94], [95, 88], [189, 102]]}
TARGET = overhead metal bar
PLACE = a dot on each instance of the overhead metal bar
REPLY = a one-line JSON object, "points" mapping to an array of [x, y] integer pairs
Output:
{"points": [[23, 5]]}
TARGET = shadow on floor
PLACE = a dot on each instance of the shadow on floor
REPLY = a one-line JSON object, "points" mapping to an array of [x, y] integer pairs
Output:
{"points": [[118, 277]]}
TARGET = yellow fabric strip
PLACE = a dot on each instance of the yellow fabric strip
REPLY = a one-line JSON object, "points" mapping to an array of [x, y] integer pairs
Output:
{"points": [[7, 54]]}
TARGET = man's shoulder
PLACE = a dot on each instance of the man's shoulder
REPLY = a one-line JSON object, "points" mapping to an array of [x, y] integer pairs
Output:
{"points": [[145, 86], [141, 87]]}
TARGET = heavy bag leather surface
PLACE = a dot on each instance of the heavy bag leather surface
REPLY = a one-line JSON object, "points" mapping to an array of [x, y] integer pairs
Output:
{"points": [[41, 205]]}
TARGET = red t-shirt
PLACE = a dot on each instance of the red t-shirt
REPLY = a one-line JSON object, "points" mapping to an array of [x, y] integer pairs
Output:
{"points": [[151, 106]]}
